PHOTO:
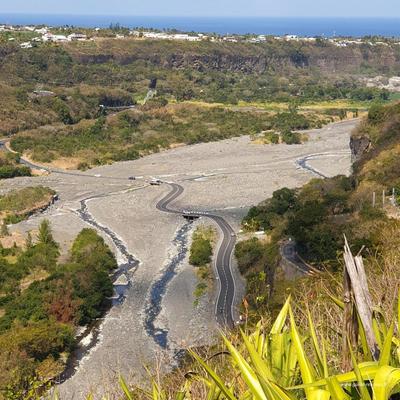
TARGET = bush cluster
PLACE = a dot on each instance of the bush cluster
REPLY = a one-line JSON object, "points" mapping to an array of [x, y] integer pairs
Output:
{"points": [[40, 315]]}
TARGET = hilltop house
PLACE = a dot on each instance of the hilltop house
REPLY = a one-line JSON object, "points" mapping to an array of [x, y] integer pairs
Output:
{"points": [[26, 45], [49, 37], [77, 36], [42, 31]]}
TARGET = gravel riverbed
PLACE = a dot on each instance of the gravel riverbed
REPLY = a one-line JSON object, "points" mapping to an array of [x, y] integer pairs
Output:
{"points": [[228, 176]]}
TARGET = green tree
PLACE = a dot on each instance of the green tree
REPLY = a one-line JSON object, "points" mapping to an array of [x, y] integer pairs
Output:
{"points": [[4, 229], [200, 251], [45, 235], [29, 241]]}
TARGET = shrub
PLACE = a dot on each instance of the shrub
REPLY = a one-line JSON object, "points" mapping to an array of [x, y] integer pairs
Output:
{"points": [[200, 252], [376, 114], [9, 171], [201, 247], [248, 254], [289, 137]]}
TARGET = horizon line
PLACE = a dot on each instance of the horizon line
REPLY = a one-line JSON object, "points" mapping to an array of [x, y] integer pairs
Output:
{"points": [[201, 16]]}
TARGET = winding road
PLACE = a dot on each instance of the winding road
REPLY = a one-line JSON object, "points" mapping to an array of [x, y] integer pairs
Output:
{"points": [[224, 309]]}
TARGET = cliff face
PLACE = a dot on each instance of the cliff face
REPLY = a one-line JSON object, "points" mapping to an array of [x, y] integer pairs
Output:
{"points": [[239, 57], [359, 146], [276, 57], [199, 62]]}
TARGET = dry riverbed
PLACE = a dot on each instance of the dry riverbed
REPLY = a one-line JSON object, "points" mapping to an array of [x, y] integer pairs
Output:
{"points": [[228, 176]]}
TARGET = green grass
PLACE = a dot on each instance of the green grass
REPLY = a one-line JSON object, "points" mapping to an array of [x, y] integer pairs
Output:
{"points": [[23, 200]]}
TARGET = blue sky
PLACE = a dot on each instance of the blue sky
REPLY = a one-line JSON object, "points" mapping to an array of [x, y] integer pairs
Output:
{"points": [[236, 8]]}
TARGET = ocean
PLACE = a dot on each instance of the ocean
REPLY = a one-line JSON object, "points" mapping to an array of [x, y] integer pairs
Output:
{"points": [[328, 27]]}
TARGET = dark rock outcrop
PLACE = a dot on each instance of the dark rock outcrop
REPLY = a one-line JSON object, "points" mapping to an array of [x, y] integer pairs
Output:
{"points": [[359, 146], [243, 57]]}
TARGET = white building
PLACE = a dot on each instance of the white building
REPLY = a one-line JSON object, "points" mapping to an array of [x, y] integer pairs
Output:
{"points": [[77, 36], [185, 36], [26, 45], [49, 37], [42, 31], [309, 39], [230, 39]]}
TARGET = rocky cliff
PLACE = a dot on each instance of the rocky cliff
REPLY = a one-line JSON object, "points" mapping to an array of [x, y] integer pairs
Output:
{"points": [[359, 145], [243, 57]]}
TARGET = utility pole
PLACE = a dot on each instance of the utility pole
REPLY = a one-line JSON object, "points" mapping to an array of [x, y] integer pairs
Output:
{"points": [[383, 198], [373, 199]]}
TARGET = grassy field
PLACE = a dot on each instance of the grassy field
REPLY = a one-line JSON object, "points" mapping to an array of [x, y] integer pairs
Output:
{"points": [[323, 105], [19, 204]]}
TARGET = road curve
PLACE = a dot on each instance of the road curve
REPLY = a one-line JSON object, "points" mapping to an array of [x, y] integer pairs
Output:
{"points": [[224, 309]]}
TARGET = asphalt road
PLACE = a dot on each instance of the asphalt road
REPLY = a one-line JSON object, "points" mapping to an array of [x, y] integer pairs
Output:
{"points": [[288, 251], [224, 312]]}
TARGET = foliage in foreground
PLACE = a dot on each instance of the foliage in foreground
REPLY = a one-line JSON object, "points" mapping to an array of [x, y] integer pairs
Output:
{"points": [[286, 364]]}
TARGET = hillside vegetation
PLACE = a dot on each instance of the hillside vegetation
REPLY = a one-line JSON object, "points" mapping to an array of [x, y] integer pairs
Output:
{"points": [[317, 215], [52, 84], [131, 134], [42, 303], [10, 167], [56, 98]]}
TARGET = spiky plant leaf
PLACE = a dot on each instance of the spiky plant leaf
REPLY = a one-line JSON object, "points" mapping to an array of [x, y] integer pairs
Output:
{"points": [[386, 380], [214, 376], [360, 381], [260, 366], [335, 390], [306, 369], [125, 388], [315, 344], [248, 374], [387, 347], [280, 320]]}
